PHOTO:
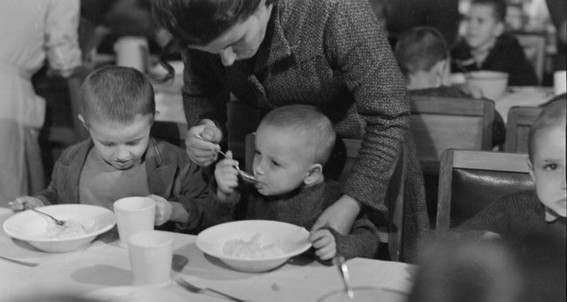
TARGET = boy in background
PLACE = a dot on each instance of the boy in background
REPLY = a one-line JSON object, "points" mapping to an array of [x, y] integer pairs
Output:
{"points": [[423, 57], [486, 46], [292, 145], [120, 158], [542, 210]]}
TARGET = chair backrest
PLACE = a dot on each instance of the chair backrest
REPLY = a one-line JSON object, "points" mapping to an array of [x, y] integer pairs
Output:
{"points": [[395, 196], [440, 123], [469, 180], [520, 119], [534, 47]]}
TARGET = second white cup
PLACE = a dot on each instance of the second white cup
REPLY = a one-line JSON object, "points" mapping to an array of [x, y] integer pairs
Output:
{"points": [[134, 214], [151, 254]]}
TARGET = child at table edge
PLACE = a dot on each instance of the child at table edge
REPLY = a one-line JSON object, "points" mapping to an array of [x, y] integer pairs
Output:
{"points": [[121, 158], [486, 45], [518, 214], [292, 145]]}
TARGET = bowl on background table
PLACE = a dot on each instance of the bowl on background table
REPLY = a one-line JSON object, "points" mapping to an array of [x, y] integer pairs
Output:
{"points": [[491, 84], [82, 224], [254, 245]]}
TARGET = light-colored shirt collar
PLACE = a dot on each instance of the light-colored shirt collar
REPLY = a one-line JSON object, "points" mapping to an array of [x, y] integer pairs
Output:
{"points": [[550, 215]]}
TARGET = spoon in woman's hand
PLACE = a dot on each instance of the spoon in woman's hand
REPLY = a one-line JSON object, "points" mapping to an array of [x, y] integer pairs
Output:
{"points": [[243, 175]]}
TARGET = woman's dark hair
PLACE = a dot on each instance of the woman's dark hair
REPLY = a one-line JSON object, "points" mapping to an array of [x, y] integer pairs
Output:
{"points": [[198, 22]]}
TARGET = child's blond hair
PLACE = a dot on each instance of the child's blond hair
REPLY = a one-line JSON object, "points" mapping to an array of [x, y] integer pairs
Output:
{"points": [[308, 121]]}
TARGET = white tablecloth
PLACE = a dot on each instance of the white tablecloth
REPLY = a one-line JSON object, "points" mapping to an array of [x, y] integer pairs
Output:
{"points": [[522, 96], [105, 264]]}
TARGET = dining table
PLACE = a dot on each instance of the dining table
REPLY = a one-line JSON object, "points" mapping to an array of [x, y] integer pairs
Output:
{"points": [[104, 266], [169, 101], [530, 96]]}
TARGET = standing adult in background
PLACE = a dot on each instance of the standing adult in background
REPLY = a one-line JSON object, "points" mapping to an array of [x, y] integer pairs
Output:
{"points": [[112, 18], [327, 53], [558, 13], [31, 31]]}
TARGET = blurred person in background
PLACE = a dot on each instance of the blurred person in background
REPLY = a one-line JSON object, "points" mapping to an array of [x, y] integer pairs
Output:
{"points": [[486, 45], [464, 269], [31, 32], [423, 56]]}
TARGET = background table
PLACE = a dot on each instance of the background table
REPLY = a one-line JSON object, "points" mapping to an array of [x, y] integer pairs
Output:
{"points": [[522, 96], [105, 264]]}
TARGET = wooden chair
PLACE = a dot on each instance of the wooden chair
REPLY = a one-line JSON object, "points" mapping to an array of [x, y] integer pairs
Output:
{"points": [[469, 180], [393, 234], [520, 119], [440, 123], [534, 44]]}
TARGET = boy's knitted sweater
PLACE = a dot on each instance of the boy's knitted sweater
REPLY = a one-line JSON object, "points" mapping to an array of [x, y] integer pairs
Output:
{"points": [[515, 217], [302, 207]]}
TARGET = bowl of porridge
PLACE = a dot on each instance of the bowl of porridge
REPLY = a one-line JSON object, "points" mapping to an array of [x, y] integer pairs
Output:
{"points": [[254, 245], [82, 224]]}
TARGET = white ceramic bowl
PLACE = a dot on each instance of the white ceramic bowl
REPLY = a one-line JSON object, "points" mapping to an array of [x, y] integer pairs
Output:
{"points": [[254, 245], [41, 232], [491, 84]]}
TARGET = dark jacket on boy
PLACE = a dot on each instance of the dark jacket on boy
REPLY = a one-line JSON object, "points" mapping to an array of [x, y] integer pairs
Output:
{"points": [[170, 174], [506, 56]]}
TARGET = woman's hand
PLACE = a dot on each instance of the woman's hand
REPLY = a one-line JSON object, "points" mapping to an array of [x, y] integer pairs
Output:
{"points": [[164, 209], [201, 143], [226, 176], [21, 203], [339, 216], [324, 243]]}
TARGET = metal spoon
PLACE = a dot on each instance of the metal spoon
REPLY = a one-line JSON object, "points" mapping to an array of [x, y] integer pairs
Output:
{"points": [[57, 221], [243, 175], [343, 269]]}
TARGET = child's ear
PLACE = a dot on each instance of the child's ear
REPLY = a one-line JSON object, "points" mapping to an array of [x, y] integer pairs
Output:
{"points": [[82, 119], [314, 175], [442, 72], [531, 166]]}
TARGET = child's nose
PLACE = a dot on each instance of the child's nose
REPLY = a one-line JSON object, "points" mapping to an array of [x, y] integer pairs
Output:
{"points": [[123, 153], [258, 170]]}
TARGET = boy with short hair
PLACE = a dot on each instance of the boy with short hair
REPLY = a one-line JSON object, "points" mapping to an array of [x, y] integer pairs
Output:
{"points": [[120, 158], [486, 46], [516, 215], [292, 145], [423, 57]]}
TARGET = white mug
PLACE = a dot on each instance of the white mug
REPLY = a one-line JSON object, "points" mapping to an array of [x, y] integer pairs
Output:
{"points": [[132, 52], [134, 214], [151, 254]]}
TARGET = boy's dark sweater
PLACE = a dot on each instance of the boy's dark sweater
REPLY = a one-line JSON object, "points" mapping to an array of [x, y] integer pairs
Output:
{"points": [[507, 56], [301, 207], [515, 217]]}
